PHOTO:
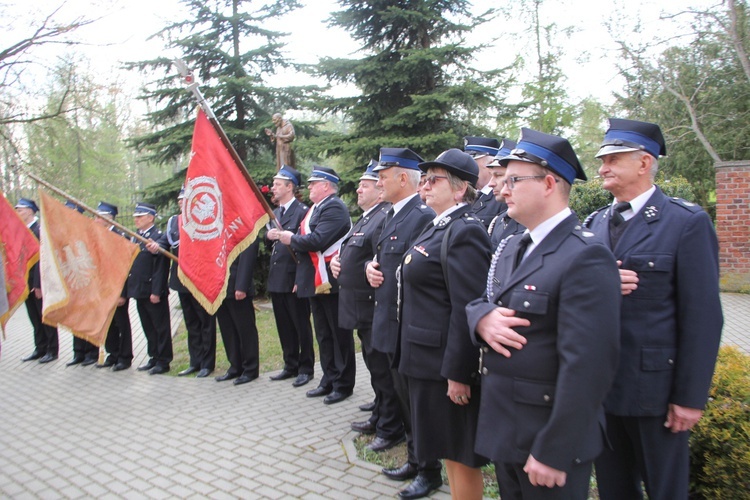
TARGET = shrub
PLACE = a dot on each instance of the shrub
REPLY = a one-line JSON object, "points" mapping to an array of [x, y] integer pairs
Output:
{"points": [[720, 443]]}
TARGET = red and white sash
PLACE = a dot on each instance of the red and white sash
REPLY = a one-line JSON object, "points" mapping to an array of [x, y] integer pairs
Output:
{"points": [[319, 259]]}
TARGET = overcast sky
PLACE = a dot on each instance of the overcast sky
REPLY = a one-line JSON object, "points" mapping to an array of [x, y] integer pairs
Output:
{"points": [[123, 26]]}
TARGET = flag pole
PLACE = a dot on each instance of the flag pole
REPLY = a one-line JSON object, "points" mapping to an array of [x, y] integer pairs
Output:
{"points": [[96, 214], [192, 86]]}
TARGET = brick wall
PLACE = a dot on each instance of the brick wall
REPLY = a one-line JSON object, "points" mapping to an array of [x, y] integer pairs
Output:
{"points": [[733, 223]]}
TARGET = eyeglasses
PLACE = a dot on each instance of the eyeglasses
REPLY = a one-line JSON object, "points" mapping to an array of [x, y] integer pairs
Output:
{"points": [[510, 182], [432, 179]]}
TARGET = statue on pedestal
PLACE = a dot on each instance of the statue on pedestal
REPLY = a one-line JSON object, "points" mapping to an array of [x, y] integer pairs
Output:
{"points": [[283, 138]]}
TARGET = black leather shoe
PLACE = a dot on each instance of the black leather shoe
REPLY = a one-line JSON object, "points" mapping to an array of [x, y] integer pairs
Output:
{"points": [[318, 391], [77, 360], [158, 370], [244, 379], [336, 397], [302, 379], [227, 376], [33, 356], [381, 444], [88, 362], [403, 473], [120, 366], [205, 372], [368, 407], [147, 366], [285, 374], [365, 427], [107, 363], [187, 371], [421, 487], [47, 358]]}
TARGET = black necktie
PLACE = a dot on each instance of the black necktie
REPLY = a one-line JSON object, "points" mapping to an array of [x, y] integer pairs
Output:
{"points": [[281, 211], [617, 217], [617, 223], [522, 246], [389, 216]]}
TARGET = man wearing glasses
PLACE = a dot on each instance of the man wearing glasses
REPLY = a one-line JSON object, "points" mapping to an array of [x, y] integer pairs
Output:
{"points": [[547, 327]]}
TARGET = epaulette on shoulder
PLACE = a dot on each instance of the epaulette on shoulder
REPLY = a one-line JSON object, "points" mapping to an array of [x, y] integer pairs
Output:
{"points": [[583, 233], [687, 205], [590, 218]]}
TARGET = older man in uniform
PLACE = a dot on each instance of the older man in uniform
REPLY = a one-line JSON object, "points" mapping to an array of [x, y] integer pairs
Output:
{"points": [[119, 343], [671, 318], [399, 175], [484, 150], [547, 328], [147, 284], [318, 240], [291, 312], [46, 343], [356, 299]]}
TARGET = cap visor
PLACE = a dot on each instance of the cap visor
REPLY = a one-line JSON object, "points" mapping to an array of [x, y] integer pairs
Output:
{"points": [[608, 150]]}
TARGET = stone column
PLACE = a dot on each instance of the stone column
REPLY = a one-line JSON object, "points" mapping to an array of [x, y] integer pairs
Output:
{"points": [[733, 223]]}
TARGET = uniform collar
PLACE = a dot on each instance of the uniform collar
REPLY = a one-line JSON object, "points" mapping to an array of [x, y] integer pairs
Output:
{"points": [[637, 203]]}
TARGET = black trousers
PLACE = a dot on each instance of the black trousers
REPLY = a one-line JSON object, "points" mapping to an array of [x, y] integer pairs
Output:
{"points": [[45, 336], [119, 343], [335, 345], [240, 335], [156, 327], [84, 349], [401, 388], [201, 332], [514, 484], [292, 316], [387, 414], [643, 450]]}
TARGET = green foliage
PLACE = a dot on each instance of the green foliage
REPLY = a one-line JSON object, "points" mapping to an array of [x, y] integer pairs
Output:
{"points": [[417, 89], [698, 92], [234, 56], [81, 150], [720, 443]]}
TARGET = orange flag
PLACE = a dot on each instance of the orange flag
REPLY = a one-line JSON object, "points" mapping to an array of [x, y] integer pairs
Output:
{"points": [[83, 267], [220, 218], [20, 251]]}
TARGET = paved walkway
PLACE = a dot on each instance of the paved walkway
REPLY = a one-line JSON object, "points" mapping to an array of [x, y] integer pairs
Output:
{"points": [[81, 432]]}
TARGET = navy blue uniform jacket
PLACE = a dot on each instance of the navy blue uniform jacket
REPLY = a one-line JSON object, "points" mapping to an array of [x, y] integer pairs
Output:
{"points": [[283, 268], [671, 324], [149, 273], [435, 340], [397, 237], [329, 223], [357, 297], [546, 399]]}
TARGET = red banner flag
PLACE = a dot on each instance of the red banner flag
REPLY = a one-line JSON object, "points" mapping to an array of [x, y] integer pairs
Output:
{"points": [[20, 251], [83, 267], [220, 218]]}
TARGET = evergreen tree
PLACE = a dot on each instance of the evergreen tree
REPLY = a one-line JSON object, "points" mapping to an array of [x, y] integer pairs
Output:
{"points": [[234, 56], [417, 88]]}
